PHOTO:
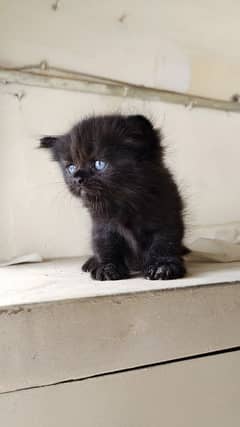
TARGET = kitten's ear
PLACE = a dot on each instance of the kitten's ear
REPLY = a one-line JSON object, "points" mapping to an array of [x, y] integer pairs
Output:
{"points": [[143, 132], [48, 141], [140, 122]]}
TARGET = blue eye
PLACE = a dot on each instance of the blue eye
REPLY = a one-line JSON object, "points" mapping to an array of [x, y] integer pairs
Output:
{"points": [[100, 165], [71, 169]]}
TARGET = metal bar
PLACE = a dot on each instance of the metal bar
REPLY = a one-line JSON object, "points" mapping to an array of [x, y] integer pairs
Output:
{"points": [[73, 81]]}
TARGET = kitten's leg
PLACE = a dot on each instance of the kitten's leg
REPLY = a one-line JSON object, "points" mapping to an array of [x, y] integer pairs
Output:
{"points": [[90, 264], [162, 259], [110, 250]]}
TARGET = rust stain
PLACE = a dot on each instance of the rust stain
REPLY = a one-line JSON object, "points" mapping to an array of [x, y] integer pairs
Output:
{"points": [[55, 5], [122, 18]]}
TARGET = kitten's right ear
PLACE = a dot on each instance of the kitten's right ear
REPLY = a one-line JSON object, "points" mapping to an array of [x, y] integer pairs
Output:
{"points": [[48, 141]]}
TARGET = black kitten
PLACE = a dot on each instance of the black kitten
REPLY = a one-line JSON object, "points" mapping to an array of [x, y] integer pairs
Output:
{"points": [[115, 164]]}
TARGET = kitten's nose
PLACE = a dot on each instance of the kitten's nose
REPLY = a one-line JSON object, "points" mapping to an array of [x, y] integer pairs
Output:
{"points": [[79, 177], [78, 180]]}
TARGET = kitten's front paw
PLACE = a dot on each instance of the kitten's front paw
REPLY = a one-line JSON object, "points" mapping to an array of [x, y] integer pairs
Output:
{"points": [[110, 272], [90, 264], [165, 269]]}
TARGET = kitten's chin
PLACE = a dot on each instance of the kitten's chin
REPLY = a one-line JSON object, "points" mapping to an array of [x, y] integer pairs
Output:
{"points": [[76, 191]]}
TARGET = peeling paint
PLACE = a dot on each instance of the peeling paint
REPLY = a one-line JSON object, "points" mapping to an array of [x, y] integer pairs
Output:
{"points": [[14, 311]]}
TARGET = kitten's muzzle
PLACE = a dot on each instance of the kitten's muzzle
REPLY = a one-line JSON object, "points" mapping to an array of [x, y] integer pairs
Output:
{"points": [[79, 177]]}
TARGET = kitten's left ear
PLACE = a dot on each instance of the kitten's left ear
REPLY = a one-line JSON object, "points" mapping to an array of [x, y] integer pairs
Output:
{"points": [[144, 132], [142, 125], [48, 141], [140, 122]]}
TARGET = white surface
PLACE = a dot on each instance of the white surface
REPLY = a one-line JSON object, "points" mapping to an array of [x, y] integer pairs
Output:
{"points": [[78, 327], [195, 393], [63, 280]]}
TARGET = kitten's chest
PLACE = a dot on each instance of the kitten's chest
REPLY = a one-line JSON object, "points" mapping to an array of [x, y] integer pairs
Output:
{"points": [[132, 233]]}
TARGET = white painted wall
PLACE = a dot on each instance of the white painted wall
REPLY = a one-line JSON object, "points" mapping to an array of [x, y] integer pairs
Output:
{"points": [[180, 45], [184, 46]]}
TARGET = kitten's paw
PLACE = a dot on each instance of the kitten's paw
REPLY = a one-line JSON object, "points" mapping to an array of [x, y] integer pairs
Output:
{"points": [[165, 269], [110, 272], [90, 264]]}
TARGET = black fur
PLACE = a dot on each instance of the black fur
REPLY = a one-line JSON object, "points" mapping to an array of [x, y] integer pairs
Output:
{"points": [[135, 205]]}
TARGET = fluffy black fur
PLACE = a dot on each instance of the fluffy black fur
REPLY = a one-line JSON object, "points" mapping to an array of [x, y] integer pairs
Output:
{"points": [[135, 205]]}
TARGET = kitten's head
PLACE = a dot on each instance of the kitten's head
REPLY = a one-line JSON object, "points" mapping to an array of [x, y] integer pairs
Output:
{"points": [[105, 159]]}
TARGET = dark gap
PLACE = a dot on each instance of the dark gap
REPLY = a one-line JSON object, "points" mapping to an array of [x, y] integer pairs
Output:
{"points": [[137, 368]]}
